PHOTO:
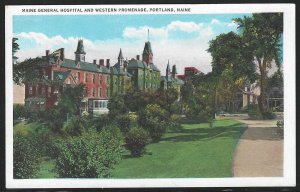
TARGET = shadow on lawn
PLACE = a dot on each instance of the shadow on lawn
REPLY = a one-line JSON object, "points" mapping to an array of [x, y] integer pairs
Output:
{"points": [[233, 131]]}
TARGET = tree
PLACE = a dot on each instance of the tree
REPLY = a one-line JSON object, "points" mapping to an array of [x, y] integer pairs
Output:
{"points": [[261, 34], [27, 71], [116, 106], [69, 104], [71, 98]]}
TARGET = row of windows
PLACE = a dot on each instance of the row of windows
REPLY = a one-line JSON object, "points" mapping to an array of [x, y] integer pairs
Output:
{"points": [[85, 77], [49, 89]]}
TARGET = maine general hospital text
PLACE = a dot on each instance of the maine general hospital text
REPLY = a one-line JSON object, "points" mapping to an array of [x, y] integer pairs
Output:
{"points": [[105, 9]]}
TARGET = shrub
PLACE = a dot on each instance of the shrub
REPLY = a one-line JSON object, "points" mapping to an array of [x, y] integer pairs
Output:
{"points": [[74, 126], [26, 156], [254, 113], [174, 122], [123, 122], [19, 111], [136, 140], [153, 119], [100, 122], [91, 155]]}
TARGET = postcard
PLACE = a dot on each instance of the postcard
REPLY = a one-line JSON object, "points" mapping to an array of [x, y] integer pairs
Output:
{"points": [[118, 96]]}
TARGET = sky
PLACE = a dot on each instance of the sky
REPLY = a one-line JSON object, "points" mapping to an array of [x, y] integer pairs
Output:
{"points": [[180, 39]]}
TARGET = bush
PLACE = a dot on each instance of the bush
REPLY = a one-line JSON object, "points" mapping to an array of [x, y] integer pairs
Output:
{"points": [[123, 122], [174, 122], [91, 155], [100, 122], [136, 140], [254, 113], [153, 119], [26, 156], [74, 126], [19, 111]]}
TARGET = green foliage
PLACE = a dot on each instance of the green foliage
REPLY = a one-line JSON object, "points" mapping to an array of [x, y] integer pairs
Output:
{"points": [[19, 111], [26, 156], [261, 35], [116, 106], [136, 140], [74, 126], [276, 80], [123, 122], [255, 113], [15, 45], [71, 99], [68, 105], [91, 155], [174, 122], [99, 122], [153, 118], [27, 71]]}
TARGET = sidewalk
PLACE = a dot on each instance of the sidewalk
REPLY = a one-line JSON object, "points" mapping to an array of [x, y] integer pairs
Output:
{"points": [[260, 150]]}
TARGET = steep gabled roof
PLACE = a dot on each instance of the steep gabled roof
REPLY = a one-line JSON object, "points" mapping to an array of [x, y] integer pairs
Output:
{"points": [[60, 75], [85, 66]]}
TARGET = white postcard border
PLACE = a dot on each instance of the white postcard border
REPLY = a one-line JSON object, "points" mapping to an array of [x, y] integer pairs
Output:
{"points": [[289, 178]]}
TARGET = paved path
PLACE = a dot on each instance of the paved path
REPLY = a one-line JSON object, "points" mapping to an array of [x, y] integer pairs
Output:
{"points": [[260, 150]]}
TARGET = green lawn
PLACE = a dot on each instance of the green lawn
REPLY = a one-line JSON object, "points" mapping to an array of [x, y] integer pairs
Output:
{"points": [[25, 128], [195, 151]]}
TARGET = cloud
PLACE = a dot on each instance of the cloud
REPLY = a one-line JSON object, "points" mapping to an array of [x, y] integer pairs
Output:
{"points": [[183, 26], [232, 24], [215, 22], [189, 49]]}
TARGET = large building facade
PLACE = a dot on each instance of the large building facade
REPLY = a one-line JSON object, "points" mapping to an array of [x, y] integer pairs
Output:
{"points": [[101, 80]]}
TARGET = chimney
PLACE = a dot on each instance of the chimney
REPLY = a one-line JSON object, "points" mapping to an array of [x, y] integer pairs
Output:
{"points": [[47, 52], [107, 63], [101, 62], [95, 61], [137, 57]]}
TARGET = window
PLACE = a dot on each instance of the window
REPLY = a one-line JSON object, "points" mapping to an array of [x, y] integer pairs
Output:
{"points": [[68, 81], [49, 91], [93, 78], [100, 92], [85, 77], [30, 90], [93, 92], [43, 90], [36, 90], [100, 104], [78, 76], [96, 104], [100, 79]]}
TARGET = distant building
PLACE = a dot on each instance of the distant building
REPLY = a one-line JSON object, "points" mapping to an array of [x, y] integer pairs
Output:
{"points": [[171, 80], [101, 80], [188, 72]]}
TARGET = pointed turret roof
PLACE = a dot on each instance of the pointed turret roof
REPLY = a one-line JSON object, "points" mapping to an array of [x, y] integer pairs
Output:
{"points": [[120, 55], [80, 47], [147, 48]]}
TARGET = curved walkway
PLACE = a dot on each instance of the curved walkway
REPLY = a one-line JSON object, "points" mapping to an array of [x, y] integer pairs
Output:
{"points": [[260, 150]]}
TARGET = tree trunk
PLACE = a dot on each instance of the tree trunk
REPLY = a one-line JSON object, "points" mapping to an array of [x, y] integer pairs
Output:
{"points": [[262, 97]]}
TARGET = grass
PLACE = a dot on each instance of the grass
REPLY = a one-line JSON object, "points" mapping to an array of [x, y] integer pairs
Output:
{"points": [[194, 151], [25, 128], [46, 169]]}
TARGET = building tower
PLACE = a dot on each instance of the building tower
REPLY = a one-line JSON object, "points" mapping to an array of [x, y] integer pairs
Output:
{"points": [[80, 53], [121, 58], [147, 53], [174, 71], [168, 72]]}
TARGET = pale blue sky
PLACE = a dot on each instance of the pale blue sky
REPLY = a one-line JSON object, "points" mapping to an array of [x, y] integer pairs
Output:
{"points": [[182, 39]]}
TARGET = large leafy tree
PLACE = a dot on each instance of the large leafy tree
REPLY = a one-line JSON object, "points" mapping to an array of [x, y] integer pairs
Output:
{"points": [[15, 45], [261, 34], [232, 65]]}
